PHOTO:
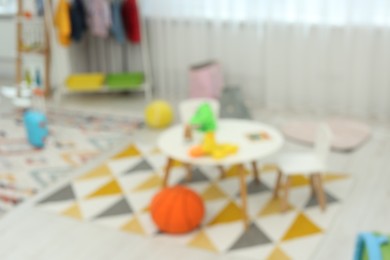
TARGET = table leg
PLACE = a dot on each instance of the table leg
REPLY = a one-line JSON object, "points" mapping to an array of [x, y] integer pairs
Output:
{"points": [[189, 171], [256, 171], [221, 172], [278, 184], [319, 189], [242, 177], [167, 171], [284, 202]]}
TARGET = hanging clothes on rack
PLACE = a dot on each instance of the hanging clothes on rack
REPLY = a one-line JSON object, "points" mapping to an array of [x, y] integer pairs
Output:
{"points": [[63, 23], [117, 28], [78, 20], [99, 15], [131, 21]]}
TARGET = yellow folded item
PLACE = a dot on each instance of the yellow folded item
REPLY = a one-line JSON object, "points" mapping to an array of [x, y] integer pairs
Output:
{"points": [[63, 23], [85, 82]]}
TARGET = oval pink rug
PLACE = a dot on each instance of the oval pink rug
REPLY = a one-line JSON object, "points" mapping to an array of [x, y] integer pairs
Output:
{"points": [[348, 134]]}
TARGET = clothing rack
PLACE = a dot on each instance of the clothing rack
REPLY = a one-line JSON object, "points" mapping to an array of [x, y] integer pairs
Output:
{"points": [[93, 55]]}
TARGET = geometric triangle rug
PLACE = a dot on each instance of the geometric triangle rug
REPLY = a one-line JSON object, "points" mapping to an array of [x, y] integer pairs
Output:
{"points": [[118, 192]]}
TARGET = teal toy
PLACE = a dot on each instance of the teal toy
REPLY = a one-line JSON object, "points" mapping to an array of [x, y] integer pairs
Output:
{"points": [[36, 128], [370, 246]]}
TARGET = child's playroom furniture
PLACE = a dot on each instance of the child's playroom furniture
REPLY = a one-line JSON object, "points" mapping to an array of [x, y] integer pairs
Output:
{"points": [[173, 144], [311, 164], [188, 107], [33, 39]]}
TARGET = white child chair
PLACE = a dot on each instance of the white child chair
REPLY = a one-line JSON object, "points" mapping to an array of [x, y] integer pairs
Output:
{"points": [[188, 107], [311, 164]]}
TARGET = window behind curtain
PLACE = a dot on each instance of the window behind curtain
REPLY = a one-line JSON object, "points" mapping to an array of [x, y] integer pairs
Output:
{"points": [[8, 7], [328, 12]]}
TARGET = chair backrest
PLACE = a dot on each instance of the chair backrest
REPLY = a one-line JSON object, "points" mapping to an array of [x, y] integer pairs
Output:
{"points": [[188, 107], [323, 141]]}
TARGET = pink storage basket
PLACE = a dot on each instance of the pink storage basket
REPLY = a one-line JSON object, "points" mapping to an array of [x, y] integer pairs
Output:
{"points": [[206, 80]]}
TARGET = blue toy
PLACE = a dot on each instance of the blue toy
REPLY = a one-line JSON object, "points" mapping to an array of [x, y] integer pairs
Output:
{"points": [[36, 127], [371, 247]]}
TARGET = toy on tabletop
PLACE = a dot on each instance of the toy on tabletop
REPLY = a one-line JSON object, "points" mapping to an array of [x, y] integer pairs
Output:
{"points": [[372, 246], [260, 136], [204, 120]]}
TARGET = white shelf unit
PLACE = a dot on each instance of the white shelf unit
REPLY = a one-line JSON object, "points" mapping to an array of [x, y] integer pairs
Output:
{"points": [[145, 87]]}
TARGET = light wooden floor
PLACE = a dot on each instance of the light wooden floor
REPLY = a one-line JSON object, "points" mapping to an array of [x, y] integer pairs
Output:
{"points": [[28, 233]]}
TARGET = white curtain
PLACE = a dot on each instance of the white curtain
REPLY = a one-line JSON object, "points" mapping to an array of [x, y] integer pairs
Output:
{"points": [[326, 56]]}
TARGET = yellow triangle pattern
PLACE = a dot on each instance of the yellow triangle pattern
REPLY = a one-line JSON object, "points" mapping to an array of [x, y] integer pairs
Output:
{"points": [[201, 240], [146, 209], [229, 214], [272, 207], [155, 151], [269, 168], [299, 180], [278, 254], [302, 226], [333, 177], [234, 171], [73, 212], [111, 188], [153, 182], [102, 171], [130, 151], [177, 164], [213, 192], [133, 226]]}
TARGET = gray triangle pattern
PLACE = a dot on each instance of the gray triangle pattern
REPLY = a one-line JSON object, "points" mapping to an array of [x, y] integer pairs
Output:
{"points": [[141, 166], [254, 187], [313, 200], [119, 208], [197, 176], [66, 193], [253, 236]]}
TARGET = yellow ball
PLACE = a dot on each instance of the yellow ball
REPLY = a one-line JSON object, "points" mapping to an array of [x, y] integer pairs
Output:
{"points": [[158, 114]]}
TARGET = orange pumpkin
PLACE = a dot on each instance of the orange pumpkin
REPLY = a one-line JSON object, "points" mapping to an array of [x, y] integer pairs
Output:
{"points": [[177, 210]]}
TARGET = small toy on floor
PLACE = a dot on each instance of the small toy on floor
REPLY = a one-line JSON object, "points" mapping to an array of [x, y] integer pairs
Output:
{"points": [[177, 210], [35, 123], [372, 246]]}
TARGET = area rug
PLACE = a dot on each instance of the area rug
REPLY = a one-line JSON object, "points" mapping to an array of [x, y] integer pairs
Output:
{"points": [[348, 134], [117, 193], [75, 138]]}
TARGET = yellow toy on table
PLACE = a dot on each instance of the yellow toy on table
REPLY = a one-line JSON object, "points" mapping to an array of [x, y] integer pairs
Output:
{"points": [[204, 120], [210, 147]]}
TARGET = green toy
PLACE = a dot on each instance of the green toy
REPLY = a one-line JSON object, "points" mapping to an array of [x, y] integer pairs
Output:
{"points": [[204, 119]]}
